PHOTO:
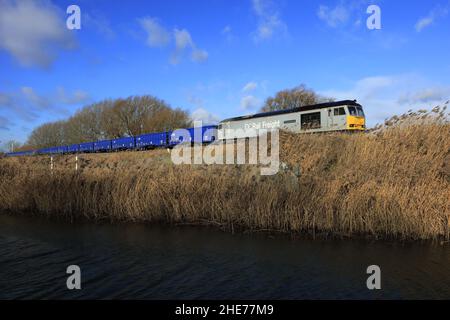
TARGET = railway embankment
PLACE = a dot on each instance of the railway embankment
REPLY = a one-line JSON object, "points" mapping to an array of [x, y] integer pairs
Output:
{"points": [[392, 182]]}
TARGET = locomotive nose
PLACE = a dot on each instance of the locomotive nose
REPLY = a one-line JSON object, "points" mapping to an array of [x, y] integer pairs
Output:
{"points": [[356, 123]]}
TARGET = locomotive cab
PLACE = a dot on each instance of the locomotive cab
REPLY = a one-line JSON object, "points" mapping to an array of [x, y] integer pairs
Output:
{"points": [[346, 117], [356, 119]]}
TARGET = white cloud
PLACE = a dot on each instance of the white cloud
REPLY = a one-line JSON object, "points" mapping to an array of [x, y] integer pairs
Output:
{"points": [[33, 31], [435, 14], [183, 41], [333, 16], [250, 86], [250, 102], [198, 102], [5, 123], [157, 35], [76, 97], [426, 95], [227, 32], [36, 100], [269, 21], [385, 96], [26, 103], [349, 14], [204, 116], [5, 99], [424, 22], [98, 23], [15, 104], [199, 55], [200, 113]]}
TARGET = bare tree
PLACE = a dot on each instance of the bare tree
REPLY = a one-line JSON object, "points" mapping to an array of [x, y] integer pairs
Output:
{"points": [[110, 119], [48, 135], [293, 98], [168, 119], [137, 115]]}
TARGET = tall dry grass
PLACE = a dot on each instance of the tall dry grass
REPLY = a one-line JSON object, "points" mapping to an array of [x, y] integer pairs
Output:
{"points": [[393, 182]]}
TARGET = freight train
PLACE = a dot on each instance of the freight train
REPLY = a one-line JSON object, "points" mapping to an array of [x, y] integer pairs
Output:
{"points": [[346, 115], [167, 139]]}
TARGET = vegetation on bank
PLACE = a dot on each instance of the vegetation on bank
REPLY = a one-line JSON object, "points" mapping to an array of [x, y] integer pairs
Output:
{"points": [[393, 182]]}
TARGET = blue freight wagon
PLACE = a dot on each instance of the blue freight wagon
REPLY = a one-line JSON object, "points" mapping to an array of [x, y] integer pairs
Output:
{"points": [[19, 153], [87, 147], [52, 150], [123, 143], [104, 145], [204, 134], [209, 134], [152, 140], [73, 148], [62, 149]]}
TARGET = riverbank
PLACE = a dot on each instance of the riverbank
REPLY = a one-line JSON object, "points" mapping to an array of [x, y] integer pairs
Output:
{"points": [[390, 183]]}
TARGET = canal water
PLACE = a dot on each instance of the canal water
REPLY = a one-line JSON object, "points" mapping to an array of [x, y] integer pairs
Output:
{"points": [[135, 261]]}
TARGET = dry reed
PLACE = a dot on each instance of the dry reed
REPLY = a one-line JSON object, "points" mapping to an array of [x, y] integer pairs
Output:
{"points": [[393, 182]]}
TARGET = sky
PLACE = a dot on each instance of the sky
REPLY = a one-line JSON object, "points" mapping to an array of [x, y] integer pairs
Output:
{"points": [[219, 58]]}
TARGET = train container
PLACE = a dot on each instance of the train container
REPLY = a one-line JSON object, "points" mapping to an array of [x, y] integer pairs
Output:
{"points": [[123, 143], [73, 148], [53, 150], [101, 146], [62, 149], [204, 134], [20, 153], [152, 140], [209, 134], [87, 147], [13, 154]]}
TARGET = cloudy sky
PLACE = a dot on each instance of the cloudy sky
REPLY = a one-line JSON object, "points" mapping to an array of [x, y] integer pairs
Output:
{"points": [[218, 58]]}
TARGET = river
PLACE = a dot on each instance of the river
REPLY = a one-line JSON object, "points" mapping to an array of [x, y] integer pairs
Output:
{"points": [[138, 261]]}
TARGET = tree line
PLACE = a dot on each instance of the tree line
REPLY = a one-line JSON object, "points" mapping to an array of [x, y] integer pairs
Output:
{"points": [[109, 119]]}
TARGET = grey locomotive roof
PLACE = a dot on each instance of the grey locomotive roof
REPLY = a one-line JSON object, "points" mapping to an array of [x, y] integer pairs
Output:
{"points": [[298, 109]]}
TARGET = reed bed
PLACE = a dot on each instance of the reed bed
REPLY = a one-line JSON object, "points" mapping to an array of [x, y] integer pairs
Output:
{"points": [[392, 182]]}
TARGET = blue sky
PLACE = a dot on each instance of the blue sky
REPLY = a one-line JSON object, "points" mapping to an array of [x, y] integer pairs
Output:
{"points": [[218, 58]]}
